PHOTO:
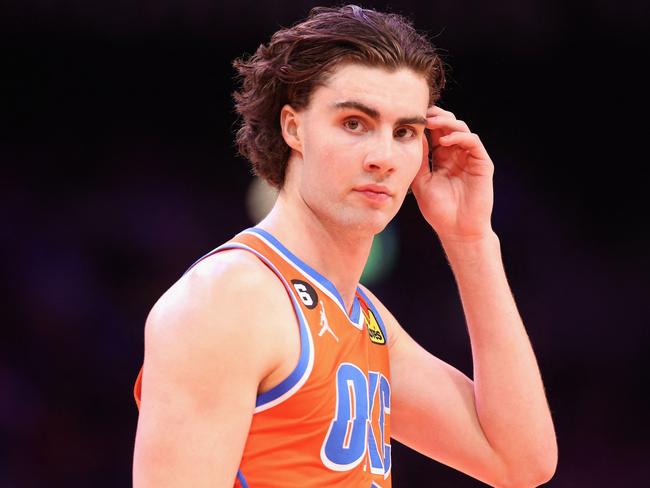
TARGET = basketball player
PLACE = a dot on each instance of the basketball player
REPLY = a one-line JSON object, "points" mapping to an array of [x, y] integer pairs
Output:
{"points": [[267, 364]]}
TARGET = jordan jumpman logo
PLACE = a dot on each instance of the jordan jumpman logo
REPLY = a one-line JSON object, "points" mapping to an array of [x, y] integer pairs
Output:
{"points": [[325, 326]]}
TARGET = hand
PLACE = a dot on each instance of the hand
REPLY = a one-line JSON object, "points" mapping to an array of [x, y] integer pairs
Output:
{"points": [[456, 198]]}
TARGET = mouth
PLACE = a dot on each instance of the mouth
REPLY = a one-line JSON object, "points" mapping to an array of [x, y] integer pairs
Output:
{"points": [[375, 193]]}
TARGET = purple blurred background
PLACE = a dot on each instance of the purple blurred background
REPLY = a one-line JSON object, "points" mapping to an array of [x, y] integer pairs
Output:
{"points": [[119, 169]]}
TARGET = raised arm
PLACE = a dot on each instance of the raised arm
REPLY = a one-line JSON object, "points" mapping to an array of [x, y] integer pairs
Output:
{"points": [[204, 362], [498, 427]]}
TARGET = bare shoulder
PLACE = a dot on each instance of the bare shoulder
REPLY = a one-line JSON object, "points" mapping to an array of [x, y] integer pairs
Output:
{"points": [[203, 364], [216, 294], [209, 321], [375, 301]]}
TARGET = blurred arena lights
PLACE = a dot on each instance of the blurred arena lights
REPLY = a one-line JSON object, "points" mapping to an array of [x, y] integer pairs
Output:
{"points": [[260, 198], [383, 256]]}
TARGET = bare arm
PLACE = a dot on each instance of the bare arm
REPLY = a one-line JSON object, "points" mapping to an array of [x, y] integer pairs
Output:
{"points": [[509, 395], [497, 428], [202, 369]]}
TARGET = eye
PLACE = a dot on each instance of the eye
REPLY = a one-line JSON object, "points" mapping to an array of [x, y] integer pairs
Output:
{"points": [[405, 132], [354, 125]]}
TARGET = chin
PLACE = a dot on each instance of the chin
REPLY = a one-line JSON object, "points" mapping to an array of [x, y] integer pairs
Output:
{"points": [[368, 222], [355, 219]]}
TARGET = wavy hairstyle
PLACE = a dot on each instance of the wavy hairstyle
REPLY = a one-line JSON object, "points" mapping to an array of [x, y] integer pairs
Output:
{"points": [[300, 58]]}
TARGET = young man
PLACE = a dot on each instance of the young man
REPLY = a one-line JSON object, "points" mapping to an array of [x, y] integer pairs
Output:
{"points": [[260, 370]]}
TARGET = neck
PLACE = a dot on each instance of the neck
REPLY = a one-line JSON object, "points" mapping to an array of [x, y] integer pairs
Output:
{"points": [[338, 253]]}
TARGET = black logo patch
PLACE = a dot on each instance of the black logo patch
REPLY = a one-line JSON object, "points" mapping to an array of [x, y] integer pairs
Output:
{"points": [[306, 293]]}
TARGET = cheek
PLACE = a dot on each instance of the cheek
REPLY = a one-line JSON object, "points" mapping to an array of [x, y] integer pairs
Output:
{"points": [[320, 169], [329, 158], [412, 159]]}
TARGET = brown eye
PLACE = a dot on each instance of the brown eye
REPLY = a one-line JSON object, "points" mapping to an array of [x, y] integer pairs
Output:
{"points": [[405, 132], [353, 124]]}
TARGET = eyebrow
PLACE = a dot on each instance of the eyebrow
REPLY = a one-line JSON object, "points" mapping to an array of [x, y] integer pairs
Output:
{"points": [[374, 114]]}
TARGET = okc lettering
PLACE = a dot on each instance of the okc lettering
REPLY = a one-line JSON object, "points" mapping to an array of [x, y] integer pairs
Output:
{"points": [[351, 434]]}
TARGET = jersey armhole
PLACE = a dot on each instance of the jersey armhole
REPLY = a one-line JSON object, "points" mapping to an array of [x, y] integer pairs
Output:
{"points": [[374, 310], [292, 383]]}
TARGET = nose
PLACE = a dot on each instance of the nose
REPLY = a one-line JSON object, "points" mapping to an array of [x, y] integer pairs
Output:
{"points": [[380, 155]]}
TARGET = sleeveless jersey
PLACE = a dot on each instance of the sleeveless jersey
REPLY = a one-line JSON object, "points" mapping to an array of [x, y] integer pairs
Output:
{"points": [[328, 422]]}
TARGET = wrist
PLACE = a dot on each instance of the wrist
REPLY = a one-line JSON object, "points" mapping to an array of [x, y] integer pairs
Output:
{"points": [[487, 235], [471, 248]]}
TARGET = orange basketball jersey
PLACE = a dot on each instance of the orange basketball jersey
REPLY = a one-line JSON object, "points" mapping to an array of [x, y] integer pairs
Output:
{"points": [[328, 422]]}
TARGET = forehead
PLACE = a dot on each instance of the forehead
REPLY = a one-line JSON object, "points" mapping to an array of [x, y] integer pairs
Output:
{"points": [[400, 90]]}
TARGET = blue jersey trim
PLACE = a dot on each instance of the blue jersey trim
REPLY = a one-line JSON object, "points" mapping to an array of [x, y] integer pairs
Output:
{"points": [[356, 310], [372, 307], [305, 361], [242, 480], [301, 367], [311, 272], [305, 347]]}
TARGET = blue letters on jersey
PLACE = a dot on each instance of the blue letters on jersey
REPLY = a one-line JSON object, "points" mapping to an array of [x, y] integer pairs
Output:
{"points": [[351, 431]]}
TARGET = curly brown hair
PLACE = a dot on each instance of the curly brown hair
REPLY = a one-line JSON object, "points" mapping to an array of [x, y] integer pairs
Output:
{"points": [[300, 58]]}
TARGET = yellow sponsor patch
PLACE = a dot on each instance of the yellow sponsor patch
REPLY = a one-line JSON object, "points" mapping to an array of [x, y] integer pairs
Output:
{"points": [[374, 331]]}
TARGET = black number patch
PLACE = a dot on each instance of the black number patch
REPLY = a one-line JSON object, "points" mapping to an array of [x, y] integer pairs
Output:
{"points": [[306, 293]]}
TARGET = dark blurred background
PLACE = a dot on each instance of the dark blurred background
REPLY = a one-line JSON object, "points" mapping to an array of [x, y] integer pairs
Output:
{"points": [[119, 169]]}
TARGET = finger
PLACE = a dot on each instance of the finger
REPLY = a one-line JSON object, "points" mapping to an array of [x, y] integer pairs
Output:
{"points": [[447, 124], [443, 125], [435, 110], [435, 135], [465, 140]]}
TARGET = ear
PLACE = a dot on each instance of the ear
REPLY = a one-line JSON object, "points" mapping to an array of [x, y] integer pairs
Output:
{"points": [[290, 123]]}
